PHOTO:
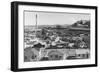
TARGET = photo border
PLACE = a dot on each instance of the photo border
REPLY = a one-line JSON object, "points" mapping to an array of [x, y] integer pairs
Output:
{"points": [[14, 35]]}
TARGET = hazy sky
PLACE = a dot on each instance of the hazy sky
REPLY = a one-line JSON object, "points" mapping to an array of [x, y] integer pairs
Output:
{"points": [[53, 18]]}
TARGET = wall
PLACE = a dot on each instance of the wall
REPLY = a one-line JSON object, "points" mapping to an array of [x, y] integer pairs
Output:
{"points": [[5, 17]]}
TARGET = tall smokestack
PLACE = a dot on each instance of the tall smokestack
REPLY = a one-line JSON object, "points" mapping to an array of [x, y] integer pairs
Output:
{"points": [[36, 20], [36, 25]]}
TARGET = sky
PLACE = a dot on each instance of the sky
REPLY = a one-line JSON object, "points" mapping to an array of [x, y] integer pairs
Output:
{"points": [[52, 18]]}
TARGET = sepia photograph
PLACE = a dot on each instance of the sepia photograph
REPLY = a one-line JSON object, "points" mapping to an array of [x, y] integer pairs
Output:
{"points": [[50, 36]]}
